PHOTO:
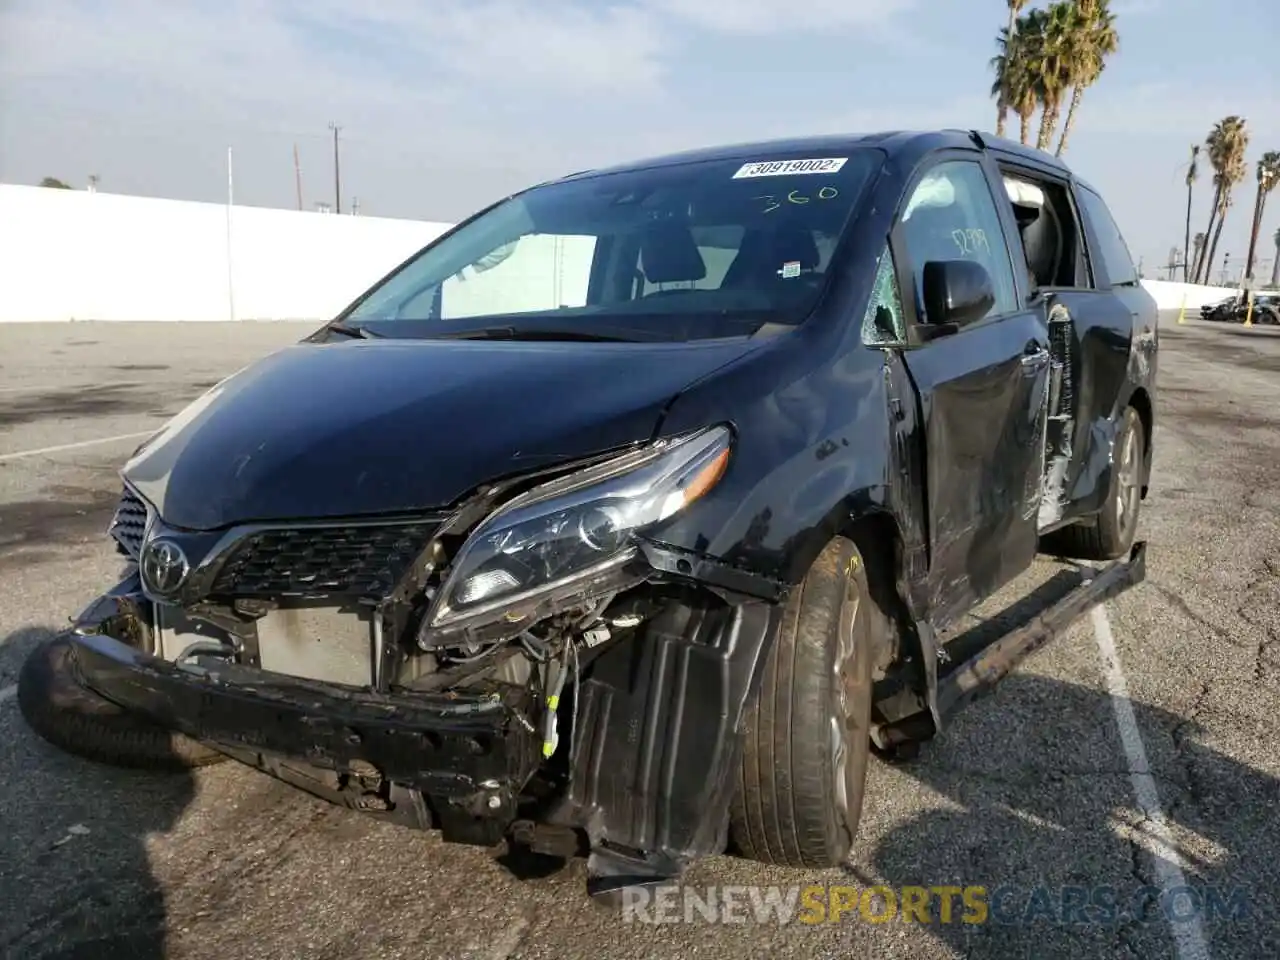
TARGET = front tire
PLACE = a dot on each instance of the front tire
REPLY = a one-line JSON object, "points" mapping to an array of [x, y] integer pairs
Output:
{"points": [[807, 735], [63, 712]]}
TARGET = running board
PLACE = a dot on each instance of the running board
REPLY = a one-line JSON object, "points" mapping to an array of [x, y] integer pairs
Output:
{"points": [[972, 678], [971, 665]]}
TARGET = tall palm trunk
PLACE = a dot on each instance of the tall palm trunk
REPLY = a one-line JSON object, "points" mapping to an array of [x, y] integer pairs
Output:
{"points": [[1026, 129], [1275, 264], [1259, 201], [1186, 243], [1077, 94], [1046, 127], [1213, 213], [1213, 248]]}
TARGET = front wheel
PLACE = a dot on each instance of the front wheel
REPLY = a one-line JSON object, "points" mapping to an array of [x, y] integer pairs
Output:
{"points": [[807, 735], [75, 719]]}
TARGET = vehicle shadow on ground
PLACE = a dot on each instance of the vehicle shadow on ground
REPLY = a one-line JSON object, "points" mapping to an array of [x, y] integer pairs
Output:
{"points": [[1038, 798], [75, 877]]}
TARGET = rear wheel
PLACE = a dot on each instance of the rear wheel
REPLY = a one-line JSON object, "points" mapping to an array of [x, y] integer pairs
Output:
{"points": [[808, 733], [1110, 534], [69, 716]]}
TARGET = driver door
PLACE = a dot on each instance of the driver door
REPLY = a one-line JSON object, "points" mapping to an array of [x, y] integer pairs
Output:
{"points": [[982, 390]]}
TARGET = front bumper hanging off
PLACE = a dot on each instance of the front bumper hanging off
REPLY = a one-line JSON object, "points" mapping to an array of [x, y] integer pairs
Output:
{"points": [[433, 760], [649, 765]]}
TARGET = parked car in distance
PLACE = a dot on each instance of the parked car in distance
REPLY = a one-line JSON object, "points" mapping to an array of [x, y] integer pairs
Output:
{"points": [[629, 515], [1220, 311], [1236, 309]]}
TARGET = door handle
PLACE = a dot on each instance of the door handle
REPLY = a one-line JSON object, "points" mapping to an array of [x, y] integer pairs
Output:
{"points": [[1034, 358]]}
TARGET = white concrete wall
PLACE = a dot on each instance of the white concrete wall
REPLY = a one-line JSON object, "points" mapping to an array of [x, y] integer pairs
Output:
{"points": [[1169, 295], [74, 255]]}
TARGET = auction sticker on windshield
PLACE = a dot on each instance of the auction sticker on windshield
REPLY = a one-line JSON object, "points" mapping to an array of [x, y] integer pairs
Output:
{"points": [[778, 168]]}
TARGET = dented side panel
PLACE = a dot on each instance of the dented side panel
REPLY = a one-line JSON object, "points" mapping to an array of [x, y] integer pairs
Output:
{"points": [[982, 392], [1108, 355], [810, 453]]}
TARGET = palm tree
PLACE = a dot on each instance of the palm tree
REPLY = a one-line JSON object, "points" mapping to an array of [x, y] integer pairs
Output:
{"points": [[1227, 142], [1197, 249], [1234, 171], [1268, 177], [1192, 172], [1015, 83], [1052, 29], [1004, 41], [1091, 40]]}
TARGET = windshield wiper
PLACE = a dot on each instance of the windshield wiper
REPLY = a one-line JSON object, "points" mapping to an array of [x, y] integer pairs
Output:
{"points": [[362, 333]]}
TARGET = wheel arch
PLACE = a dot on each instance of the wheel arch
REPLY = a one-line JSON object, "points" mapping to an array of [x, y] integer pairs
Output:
{"points": [[878, 535], [1140, 400]]}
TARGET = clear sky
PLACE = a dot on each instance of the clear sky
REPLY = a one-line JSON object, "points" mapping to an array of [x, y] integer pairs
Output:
{"points": [[448, 104]]}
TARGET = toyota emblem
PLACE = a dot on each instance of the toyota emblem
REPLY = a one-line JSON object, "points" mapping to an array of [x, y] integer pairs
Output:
{"points": [[164, 567]]}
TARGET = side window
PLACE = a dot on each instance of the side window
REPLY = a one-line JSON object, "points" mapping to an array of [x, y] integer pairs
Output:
{"points": [[882, 324], [1112, 250], [1050, 229], [952, 215]]}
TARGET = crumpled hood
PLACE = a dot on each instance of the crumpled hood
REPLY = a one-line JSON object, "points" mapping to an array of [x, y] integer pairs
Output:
{"points": [[377, 426]]}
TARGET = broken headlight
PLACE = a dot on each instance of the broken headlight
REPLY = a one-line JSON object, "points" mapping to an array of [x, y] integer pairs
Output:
{"points": [[578, 526]]}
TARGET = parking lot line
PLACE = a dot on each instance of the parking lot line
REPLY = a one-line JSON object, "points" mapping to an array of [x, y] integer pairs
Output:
{"points": [[1188, 936], [40, 451]]}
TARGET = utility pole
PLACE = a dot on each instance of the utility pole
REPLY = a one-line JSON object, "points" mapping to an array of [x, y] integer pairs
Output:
{"points": [[297, 174], [337, 180]]}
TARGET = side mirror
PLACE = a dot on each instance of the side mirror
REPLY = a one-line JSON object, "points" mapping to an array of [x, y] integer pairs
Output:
{"points": [[956, 292]]}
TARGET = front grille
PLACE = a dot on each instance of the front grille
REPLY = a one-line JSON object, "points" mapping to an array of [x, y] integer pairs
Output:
{"points": [[355, 560], [129, 524]]}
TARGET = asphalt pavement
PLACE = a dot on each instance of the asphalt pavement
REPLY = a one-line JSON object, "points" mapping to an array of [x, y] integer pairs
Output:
{"points": [[1136, 753]]}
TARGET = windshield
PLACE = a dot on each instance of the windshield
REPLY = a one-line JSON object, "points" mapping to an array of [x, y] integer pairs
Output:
{"points": [[706, 249]]}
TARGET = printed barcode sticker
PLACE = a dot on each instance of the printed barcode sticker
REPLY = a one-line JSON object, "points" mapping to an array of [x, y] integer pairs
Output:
{"points": [[778, 168]]}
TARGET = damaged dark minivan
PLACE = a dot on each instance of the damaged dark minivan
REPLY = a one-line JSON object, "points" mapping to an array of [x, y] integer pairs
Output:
{"points": [[630, 515]]}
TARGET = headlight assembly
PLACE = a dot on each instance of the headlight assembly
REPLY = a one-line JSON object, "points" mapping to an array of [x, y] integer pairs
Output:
{"points": [[577, 527]]}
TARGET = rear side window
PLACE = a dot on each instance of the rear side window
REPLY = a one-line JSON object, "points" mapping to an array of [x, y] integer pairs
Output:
{"points": [[1112, 250]]}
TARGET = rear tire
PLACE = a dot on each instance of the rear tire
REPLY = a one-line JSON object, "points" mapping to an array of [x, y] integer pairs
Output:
{"points": [[63, 712], [1110, 534], [807, 735]]}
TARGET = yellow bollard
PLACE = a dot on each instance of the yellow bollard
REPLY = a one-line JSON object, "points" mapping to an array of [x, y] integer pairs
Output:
{"points": [[1182, 313], [1248, 313]]}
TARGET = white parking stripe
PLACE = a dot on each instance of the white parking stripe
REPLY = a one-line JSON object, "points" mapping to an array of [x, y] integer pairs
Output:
{"points": [[41, 451], [7, 692], [1188, 936]]}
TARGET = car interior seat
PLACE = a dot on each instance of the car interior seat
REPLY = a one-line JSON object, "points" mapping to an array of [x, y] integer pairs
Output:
{"points": [[669, 254], [763, 252]]}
